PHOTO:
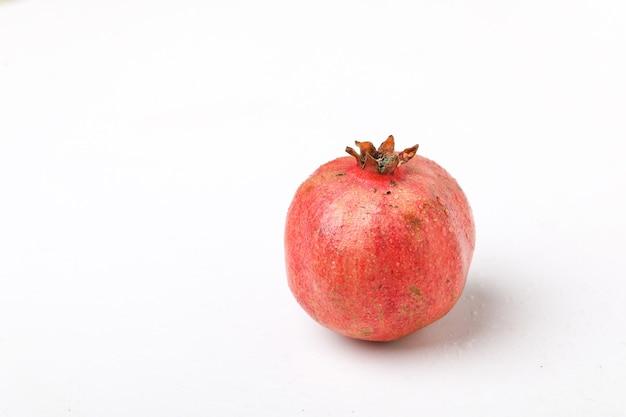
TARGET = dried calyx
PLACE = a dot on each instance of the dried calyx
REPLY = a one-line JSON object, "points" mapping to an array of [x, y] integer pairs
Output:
{"points": [[385, 157]]}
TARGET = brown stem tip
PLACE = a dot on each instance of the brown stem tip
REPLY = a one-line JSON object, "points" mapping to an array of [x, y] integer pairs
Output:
{"points": [[385, 157]]}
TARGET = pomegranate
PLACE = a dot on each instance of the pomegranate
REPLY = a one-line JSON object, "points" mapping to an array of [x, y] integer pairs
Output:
{"points": [[378, 248]]}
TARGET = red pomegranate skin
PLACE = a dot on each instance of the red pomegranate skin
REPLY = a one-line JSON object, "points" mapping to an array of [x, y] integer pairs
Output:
{"points": [[378, 256]]}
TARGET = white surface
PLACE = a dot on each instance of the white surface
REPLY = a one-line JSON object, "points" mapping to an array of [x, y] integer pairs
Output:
{"points": [[149, 151]]}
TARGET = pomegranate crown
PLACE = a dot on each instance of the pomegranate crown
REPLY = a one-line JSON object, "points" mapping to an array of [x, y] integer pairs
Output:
{"points": [[385, 157]]}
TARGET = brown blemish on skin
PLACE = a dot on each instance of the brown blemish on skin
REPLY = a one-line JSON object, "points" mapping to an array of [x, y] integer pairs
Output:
{"points": [[412, 219], [381, 316], [415, 292]]}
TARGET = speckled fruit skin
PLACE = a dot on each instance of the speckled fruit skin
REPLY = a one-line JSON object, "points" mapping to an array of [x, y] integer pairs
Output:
{"points": [[376, 256]]}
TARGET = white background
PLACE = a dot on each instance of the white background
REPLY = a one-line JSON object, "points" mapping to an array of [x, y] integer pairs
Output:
{"points": [[149, 151]]}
